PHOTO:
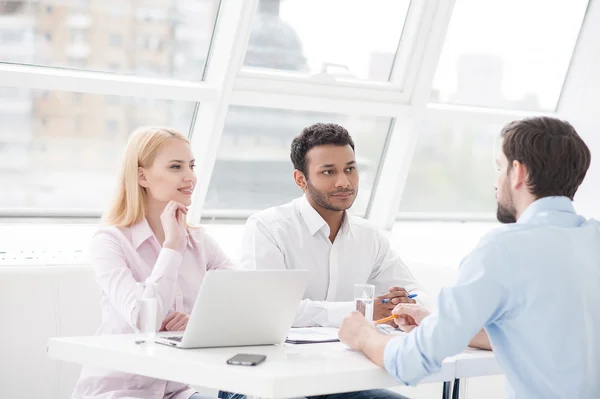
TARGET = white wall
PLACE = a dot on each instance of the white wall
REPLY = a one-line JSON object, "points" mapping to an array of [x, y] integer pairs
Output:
{"points": [[580, 104]]}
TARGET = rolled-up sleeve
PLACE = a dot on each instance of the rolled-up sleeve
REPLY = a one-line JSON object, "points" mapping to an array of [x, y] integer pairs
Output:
{"points": [[116, 281], [477, 299]]}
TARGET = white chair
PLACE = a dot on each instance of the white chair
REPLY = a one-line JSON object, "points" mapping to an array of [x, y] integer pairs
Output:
{"points": [[40, 302]]}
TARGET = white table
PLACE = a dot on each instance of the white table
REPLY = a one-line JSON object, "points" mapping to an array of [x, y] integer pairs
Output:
{"points": [[289, 371], [474, 363]]}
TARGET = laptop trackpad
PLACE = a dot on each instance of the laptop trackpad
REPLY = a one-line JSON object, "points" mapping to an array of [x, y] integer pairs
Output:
{"points": [[176, 336]]}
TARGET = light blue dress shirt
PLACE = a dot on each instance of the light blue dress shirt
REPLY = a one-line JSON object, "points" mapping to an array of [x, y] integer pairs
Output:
{"points": [[535, 287]]}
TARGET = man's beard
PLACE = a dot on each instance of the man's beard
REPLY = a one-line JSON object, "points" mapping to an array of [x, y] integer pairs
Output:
{"points": [[506, 215], [320, 198]]}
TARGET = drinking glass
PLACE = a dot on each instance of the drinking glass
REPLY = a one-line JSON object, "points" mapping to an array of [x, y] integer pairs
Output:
{"points": [[364, 297]]}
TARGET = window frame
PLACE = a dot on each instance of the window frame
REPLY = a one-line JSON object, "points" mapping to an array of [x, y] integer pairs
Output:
{"points": [[405, 99]]}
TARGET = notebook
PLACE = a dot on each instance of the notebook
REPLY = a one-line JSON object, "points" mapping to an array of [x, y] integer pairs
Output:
{"points": [[312, 335], [387, 329], [316, 335]]}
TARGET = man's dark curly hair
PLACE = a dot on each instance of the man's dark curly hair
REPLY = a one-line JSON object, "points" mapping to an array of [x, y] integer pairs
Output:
{"points": [[315, 135]]}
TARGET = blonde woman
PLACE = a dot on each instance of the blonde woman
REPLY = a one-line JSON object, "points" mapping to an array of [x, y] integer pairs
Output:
{"points": [[145, 246]]}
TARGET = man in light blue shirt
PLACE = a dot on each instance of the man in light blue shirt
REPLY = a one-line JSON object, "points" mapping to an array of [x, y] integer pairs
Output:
{"points": [[531, 288]]}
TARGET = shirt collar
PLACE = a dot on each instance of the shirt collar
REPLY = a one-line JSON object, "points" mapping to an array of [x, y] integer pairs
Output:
{"points": [[315, 222], [141, 232], [546, 204]]}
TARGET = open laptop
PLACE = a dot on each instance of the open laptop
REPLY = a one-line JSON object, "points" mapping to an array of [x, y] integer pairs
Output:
{"points": [[242, 308]]}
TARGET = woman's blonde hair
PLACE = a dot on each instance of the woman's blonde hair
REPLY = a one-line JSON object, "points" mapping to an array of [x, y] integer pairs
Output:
{"points": [[129, 204]]}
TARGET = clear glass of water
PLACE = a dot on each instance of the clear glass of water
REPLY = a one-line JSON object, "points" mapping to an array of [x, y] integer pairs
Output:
{"points": [[364, 297], [147, 319]]}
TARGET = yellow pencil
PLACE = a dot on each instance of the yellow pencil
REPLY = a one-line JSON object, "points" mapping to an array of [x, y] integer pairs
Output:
{"points": [[392, 317]]}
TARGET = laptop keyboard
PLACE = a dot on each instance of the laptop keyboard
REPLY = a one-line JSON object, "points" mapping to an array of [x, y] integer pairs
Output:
{"points": [[178, 338]]}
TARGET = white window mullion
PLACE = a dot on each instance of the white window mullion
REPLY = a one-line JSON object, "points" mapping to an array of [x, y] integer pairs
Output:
{"points": [[407, 48], [307, 87], [58, 79], [315, 103], [479, 114], [226, 56], [404, 135]]}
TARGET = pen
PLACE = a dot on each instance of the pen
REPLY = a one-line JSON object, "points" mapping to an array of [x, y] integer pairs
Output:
{"points": [[386, 319], [411, 296]]}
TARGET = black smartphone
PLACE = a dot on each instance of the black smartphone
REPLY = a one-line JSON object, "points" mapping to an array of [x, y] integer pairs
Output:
{"points": [[243, 359]]}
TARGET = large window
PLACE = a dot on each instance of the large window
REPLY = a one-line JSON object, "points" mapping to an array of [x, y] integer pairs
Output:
{"points": [[453, 168], [512, 54], [508, 54], [253, 170], [147, 38], [350, 39], [61, 150], [275, 67]]}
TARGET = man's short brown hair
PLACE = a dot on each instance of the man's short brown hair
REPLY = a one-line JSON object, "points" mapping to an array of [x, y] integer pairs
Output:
{"points": [[556, 157]]}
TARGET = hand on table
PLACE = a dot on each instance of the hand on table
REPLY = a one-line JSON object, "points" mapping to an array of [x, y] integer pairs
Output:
{"points": [[176, 321], [395, 296], [410, 315]]}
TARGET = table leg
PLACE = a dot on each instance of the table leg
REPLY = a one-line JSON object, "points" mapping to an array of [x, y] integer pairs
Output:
{"points": [[446, 390], [456, 389]]}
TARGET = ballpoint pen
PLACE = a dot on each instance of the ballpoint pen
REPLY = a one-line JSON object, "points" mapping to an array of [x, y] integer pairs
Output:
{"points": [[411, 296]]}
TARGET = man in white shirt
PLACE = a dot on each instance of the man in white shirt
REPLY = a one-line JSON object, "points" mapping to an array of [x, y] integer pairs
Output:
{"points": [[315, 232]]}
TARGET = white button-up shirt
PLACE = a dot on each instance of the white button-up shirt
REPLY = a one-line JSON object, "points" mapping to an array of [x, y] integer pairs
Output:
{"points": [[126, 261], [295, 236]]}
